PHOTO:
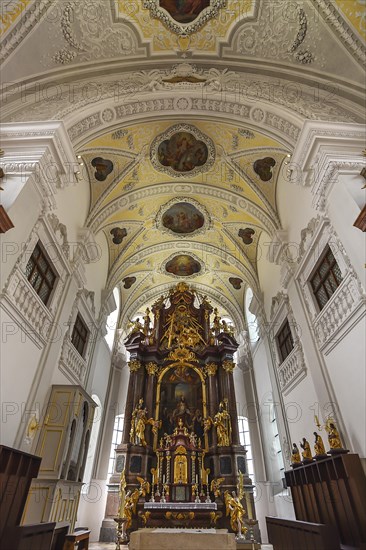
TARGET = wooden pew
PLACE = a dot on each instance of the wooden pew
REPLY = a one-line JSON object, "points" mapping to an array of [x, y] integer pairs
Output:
{"points": [[79, 536]]}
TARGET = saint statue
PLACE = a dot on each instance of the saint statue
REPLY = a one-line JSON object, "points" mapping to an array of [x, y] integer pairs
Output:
{"points": [[306, 453], [295, 454], [333, 435], [216, 326], [319, 445], [222, 423], [130, 506], [147, 322], [138, 424], [236, 510]]}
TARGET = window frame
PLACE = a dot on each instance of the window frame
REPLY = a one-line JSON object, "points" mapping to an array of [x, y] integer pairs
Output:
{"points": [[79, 320], [288, 337], [324, 278], [49, 268]]}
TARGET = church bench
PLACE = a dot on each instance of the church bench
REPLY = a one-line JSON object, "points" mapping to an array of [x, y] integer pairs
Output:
{"points": [[79, 537]]}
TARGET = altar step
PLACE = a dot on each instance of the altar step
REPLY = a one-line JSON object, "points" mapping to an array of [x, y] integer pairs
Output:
{"points": [[188, 539]]}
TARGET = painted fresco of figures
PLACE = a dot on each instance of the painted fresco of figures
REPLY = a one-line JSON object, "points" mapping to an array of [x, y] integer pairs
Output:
{"points": [[183, 218], [182, 152], [184, 11]]}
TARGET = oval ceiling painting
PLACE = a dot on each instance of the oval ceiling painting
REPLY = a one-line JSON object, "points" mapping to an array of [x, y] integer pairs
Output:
{"points": [[183, 218], [182, 152], [184, 11], [183, 265]]}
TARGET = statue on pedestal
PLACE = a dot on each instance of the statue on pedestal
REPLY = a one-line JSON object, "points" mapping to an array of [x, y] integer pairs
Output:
{"points": [[306, 453], [319, 448], [333, 435], [138, 424], [236, 510], [295, 455], [222, 422]]}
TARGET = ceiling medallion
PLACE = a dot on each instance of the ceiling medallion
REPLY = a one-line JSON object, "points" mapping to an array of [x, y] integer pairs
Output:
{"points": [[183, 265], [184, 17], [183, 216], [181, 151]]}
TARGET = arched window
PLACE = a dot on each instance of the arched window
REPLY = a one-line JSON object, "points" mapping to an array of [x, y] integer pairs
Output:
{"points": [[251, 318], [244, 436], [116, 440], [112, 321]]}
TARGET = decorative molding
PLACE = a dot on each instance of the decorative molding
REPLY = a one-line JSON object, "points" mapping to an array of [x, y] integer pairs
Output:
{"points": [[293, 369], [231, 198], [333, 17], [346, 307], [184, 29], [277, 247], [33, 316], [28, 20], [188, 128], [72, 364]]}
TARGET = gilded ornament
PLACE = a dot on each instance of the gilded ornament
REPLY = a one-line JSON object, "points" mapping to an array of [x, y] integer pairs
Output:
{"points": [[211, 369], [134, 365], [152, 368], [228, 366], [215, 486]]}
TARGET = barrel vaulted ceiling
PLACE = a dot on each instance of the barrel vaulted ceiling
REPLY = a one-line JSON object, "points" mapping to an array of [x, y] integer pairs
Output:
{"points": [[184, 114]]}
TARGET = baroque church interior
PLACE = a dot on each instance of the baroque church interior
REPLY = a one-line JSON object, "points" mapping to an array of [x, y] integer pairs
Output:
{"points": [[182, 280]]}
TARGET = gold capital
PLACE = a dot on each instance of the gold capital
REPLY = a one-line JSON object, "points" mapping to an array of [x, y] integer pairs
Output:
{"points": [[229, 366], [134, 365], [152, 368], [211, 369]]}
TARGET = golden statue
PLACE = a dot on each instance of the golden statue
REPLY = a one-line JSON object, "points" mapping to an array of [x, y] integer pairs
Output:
{"points": [[215, 486], [319, 445], [306, 453], [295, 454], [144, 486], [147, 322], [122, 494], [216, 325], [240, 486], [155, 476], [130, 506], [222, 423], [138, 424], [333, 435], [236, 510], [135, 326]]}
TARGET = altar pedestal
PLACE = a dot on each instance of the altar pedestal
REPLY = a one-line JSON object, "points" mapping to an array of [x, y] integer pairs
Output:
{"points": [[192, 539]]}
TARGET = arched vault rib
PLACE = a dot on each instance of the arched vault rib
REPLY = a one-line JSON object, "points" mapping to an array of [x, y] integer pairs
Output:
{"points": [[175, 189], [133, 304], [136, 258]]}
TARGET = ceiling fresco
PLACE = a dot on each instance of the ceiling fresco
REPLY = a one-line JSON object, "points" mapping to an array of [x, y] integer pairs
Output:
{"points": [[184, 114]]}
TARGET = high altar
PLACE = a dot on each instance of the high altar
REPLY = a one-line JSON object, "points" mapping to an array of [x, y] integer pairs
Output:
{"points": [[181, 460]]}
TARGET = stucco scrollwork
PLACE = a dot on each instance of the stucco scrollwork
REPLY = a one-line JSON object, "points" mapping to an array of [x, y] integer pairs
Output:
{"points": [[180, 28]]}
